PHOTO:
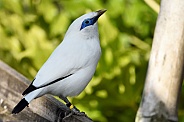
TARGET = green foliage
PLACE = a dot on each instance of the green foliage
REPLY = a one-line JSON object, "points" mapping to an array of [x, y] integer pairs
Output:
{"points": [[31, 29]]}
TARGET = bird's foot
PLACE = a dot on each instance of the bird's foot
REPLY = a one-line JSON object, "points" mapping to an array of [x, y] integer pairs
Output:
{"points": [[76, 111]]}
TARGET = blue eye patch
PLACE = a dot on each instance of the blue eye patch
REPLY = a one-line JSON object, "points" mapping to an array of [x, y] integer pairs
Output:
{"points": [[88, 22]]}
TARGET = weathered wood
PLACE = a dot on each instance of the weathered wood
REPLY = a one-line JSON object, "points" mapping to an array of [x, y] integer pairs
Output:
{"points": [[42, 109], [164, 77]]}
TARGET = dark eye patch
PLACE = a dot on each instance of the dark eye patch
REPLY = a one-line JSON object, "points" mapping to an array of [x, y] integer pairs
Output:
{"points": [[87, 21]]}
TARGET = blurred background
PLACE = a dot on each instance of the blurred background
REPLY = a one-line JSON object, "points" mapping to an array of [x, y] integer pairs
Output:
{"points": [[31, 29]]}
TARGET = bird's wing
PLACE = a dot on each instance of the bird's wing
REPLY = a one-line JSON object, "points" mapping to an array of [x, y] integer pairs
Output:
{"points": [[63, 62]]}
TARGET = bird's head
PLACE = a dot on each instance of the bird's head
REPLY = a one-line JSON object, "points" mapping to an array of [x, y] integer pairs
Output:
{"points": [[85, 24]]}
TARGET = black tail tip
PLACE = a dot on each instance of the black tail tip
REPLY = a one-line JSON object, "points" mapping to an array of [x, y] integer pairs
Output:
{"points": [[20, 106]]}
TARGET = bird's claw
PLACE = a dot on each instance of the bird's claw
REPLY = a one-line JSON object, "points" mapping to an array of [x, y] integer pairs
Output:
{"points": [[76, 111]]}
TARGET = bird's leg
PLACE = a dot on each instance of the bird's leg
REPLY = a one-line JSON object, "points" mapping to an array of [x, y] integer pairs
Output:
{"points": [[73, 109]]}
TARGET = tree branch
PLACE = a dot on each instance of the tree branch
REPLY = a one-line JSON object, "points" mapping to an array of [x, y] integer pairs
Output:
{"points": [[45, 108], [164, 77]]}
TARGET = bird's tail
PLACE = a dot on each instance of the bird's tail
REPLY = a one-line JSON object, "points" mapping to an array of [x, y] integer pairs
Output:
{"points": [[25, 101], [20, 106]]}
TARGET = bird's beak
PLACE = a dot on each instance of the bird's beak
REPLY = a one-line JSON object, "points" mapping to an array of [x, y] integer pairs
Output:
{"points": [[100, 12]]}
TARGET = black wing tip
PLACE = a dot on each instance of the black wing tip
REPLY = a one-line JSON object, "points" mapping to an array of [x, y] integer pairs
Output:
{"points": [[29, 89], [20, 106]]}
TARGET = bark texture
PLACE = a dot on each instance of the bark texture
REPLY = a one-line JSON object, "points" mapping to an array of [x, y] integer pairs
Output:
{"points": [[164, 76]]}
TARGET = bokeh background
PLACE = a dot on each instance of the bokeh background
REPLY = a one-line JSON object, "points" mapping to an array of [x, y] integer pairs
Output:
{"points": [[31, 29]]}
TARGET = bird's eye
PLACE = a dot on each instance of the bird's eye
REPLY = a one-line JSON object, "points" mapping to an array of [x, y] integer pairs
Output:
{"points": [[87, 21]]}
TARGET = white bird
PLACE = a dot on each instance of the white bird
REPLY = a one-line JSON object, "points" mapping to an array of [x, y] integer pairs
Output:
{"points": [[72, 64]]}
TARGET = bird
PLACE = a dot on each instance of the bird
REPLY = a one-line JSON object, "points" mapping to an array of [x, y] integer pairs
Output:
{"points": [[71, 66]]}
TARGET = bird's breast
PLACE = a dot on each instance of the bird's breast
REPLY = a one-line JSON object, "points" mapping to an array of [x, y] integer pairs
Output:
{"points": [[90, 51]]}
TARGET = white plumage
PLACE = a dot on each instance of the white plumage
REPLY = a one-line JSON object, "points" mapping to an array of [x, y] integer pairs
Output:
{"points": [[72, 63]]}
